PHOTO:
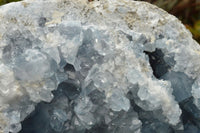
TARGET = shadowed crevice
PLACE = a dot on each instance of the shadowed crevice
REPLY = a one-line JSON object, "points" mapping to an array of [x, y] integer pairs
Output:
{"points": [[157, 62]]}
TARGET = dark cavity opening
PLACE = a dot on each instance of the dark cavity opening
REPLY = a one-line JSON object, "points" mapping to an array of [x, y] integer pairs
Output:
{"points": [[56, 116], [190, 113], [161, 66], [157, 62], [38, 121], [70, 88], [69, 67]]}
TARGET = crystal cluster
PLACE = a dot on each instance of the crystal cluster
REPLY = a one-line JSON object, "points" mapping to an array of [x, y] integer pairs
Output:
{"points": [[106, 66]]}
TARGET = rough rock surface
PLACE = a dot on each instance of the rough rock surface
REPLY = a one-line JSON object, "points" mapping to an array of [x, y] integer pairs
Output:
{"points": [[107, 66]]}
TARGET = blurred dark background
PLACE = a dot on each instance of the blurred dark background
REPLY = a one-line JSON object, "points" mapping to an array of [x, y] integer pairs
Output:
{"points": [[188, 11], [7, 1]]}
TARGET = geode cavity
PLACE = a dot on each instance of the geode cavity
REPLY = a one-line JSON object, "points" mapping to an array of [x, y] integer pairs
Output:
{"points": [[106, 66]]}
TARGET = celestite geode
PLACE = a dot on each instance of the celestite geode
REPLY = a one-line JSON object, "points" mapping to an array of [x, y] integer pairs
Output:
{"points": [[106, 66]]}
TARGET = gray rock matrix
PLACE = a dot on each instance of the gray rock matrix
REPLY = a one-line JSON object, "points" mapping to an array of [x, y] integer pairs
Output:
{"points": [[106, 66]]}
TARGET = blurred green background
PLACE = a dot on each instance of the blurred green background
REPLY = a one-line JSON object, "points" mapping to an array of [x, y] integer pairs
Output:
{"points": [[188, 11], [7, 1]]}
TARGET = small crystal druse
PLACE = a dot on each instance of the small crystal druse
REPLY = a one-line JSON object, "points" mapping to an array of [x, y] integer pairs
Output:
{"points": [[106, 66]]}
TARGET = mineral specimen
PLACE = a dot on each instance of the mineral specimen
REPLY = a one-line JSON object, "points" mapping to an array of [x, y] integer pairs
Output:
{"points": [[104, 66]]}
